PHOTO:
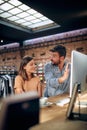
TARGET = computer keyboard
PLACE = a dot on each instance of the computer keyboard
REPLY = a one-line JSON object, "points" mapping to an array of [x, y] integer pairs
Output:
{"points": [[62, 102]]}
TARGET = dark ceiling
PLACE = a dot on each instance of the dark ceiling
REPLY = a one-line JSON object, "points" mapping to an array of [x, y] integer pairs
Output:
{"points": [[70, 14]]}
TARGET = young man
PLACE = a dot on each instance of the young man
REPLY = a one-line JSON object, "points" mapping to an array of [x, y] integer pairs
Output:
{"points": [[57, 73]]}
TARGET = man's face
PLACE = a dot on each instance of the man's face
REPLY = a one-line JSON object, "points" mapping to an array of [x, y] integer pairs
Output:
{"points": [[55, 58]]}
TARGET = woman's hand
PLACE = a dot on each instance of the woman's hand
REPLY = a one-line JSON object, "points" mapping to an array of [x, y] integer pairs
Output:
{"points": [[18, 91]]}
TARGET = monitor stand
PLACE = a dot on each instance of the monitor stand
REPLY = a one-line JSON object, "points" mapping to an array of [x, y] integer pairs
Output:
{"points": [[70, 114]]}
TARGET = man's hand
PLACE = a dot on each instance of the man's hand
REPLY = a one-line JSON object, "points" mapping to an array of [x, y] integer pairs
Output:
{"points": [[65, 75]]}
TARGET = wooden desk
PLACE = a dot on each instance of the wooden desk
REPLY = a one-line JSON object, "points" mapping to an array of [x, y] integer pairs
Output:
{"points": [[53, 111], [54, 117]]}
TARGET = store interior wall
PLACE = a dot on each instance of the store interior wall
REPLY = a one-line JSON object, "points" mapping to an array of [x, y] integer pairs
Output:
{"points": [[11, 60]]}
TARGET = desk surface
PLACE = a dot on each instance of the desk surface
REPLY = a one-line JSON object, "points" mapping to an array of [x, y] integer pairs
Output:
{"points": [[54, 117], [61, 125], [53, 111]]}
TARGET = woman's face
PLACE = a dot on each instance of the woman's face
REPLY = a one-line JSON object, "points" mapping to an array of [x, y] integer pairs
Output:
{"points": [[30, 67]]}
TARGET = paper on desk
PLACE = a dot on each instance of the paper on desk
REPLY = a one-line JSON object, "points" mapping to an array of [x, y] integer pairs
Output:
{"points": [[63, 102]]}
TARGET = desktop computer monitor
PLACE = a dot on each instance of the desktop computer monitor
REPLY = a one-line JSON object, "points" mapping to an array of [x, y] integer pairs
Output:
{"points": [[78, 70], [19, 112], [78, 81]]}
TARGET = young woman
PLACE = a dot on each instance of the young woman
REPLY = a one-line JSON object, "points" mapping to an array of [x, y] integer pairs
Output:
{"points": [[26, 81]]}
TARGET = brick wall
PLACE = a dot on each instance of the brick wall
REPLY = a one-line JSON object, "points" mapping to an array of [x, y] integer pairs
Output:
{"points": [[41, 53]]}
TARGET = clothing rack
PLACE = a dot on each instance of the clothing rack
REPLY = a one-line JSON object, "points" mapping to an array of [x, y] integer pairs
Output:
{"points": [[7, 82], [2, 72]]}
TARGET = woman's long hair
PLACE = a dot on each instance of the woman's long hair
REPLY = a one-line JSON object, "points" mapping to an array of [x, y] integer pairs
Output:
{"points": [[22, 71]]}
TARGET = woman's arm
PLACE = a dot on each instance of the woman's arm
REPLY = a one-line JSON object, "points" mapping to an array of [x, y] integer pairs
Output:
{"points": [[39, 87], [18, 85]]}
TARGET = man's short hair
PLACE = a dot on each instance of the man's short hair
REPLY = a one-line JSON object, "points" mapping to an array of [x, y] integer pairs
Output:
{"points": [[60, 49]]}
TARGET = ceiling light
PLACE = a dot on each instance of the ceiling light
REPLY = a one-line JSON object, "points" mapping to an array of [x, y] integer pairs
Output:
{"points": [[15, 2], [13, 18], [32, 11], [22, 15], [6, 6], [1, 41], [15, 12], [5, 15], [24, 7]]}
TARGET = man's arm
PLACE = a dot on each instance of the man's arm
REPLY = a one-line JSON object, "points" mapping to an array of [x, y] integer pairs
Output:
{"points": [[51, 80], [49, 77]]}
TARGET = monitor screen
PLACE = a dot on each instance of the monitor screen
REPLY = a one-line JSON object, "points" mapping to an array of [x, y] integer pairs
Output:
{"points": [[78, 70], [19, 112]]}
